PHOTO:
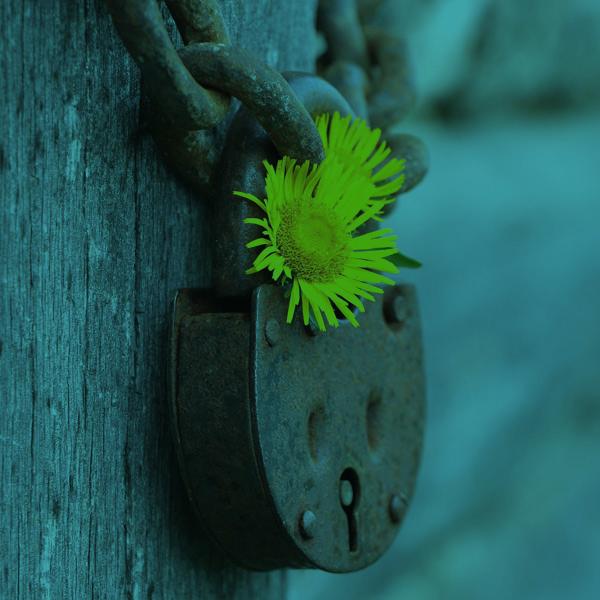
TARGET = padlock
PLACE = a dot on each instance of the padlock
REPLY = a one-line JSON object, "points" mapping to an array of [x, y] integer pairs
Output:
{"points": [[298, 448]]}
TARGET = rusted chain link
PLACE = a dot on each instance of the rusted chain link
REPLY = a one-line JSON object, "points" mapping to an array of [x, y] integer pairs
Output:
{"points": [[370, 67], [190, 90], [186, 103], [262, 90]]}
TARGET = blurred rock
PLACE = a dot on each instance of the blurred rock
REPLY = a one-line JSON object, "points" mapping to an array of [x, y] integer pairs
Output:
{"points": [[478, 55]]}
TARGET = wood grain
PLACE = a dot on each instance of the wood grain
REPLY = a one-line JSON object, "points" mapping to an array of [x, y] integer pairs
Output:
{"points": [[95, 235]]}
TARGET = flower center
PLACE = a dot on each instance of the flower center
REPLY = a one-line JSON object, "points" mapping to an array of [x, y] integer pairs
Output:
{"points": [[313, 242]]}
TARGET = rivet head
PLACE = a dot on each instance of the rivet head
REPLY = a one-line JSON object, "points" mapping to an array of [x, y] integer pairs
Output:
{"points": [[396, 310], [346, 492], [308, 524], [272, 332], [399, 309], [397, 507]]}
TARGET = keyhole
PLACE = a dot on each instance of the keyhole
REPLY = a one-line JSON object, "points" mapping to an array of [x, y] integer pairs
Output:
{"points": [[349, 497]]}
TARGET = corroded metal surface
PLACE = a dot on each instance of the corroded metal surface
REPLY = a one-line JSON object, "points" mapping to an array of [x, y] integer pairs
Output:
{"points": [[188, 91], [182, 101], [298, 450], [263, 91]]}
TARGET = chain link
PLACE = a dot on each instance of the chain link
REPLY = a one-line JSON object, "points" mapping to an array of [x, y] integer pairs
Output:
{"points": [[183, 101], [263, 91], [189, 90]]}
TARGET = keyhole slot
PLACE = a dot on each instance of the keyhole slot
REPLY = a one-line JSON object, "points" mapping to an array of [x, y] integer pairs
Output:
{"points": [[349, 498]]}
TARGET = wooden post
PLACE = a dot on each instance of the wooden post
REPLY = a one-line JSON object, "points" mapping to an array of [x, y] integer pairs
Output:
{"points": [[95, 235]]}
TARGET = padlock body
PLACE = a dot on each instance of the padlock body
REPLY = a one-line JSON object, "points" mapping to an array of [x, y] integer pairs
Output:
{"points": [[274, 423]]}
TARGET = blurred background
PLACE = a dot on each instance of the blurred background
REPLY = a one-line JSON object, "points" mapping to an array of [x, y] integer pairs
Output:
{"points": [[507, 224]]}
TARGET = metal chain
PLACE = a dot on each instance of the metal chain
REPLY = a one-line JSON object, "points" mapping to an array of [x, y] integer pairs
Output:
{"points": [[168, 83], [189, 90], [370, 67]]}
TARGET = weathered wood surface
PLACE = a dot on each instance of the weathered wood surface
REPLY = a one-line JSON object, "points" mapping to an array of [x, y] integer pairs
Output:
{"points": [[95, 236]]}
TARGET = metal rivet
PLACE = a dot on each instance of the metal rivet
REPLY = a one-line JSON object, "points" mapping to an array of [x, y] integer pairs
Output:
{"points": [[346, 492], [272, 332], [396, 311], [399, 309], [308, 524], [397, 507]]}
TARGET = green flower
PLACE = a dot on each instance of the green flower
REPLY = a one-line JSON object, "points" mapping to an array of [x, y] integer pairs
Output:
{"points": [[312, 214], [357, 148]]}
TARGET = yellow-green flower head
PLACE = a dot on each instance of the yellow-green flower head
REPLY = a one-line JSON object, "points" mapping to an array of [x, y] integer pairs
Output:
{"points": [[357, 148], [312, 214]]}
